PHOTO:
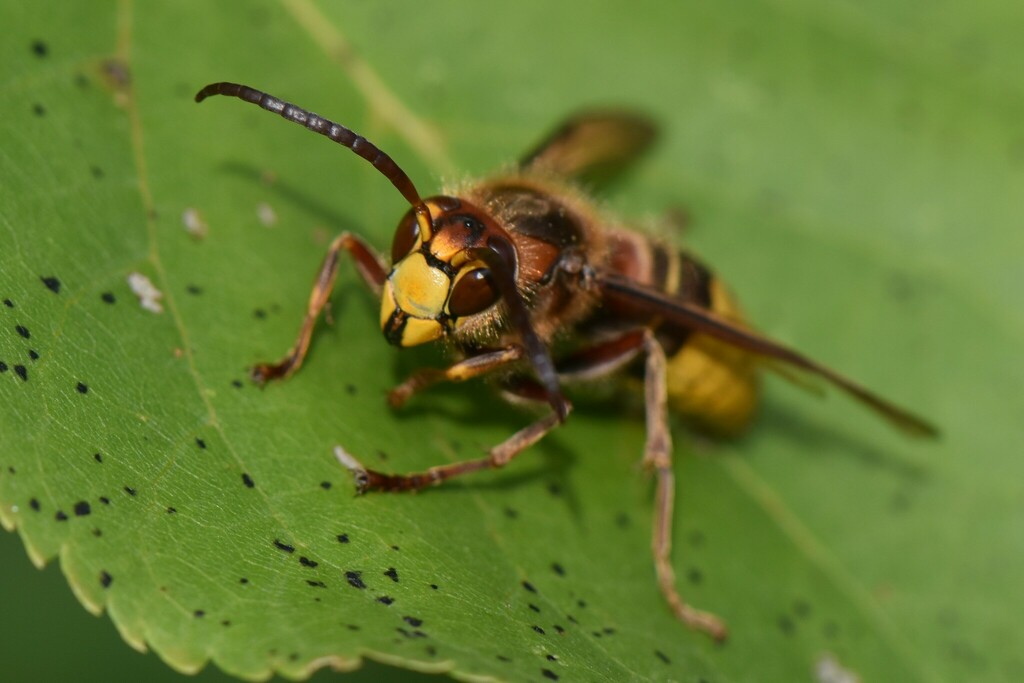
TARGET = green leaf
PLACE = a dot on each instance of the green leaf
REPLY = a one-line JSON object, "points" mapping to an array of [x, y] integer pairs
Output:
{"points": [[854, 172]]}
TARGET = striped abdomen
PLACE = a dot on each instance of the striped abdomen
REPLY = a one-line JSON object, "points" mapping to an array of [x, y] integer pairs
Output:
{"points": [[710, 382]]}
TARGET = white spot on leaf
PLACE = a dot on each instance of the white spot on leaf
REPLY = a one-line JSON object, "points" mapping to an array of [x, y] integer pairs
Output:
{"points": [[149, 295], [194, 223], [266, 214], [828, 670]]}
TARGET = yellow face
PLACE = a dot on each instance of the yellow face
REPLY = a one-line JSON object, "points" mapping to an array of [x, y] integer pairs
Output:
{"points": [[435, 282], [413, 302]]}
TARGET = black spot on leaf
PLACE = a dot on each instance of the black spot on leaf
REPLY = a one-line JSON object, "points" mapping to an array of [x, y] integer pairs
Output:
{"points": [[433, 586], [82, 508], [104, 500], [52, 283], [129, 490], [385, 600], [413, 621], [548, 673], [247, 480], [552, 658], [534, 608], [38, 109], [82, 388], [200, 443], [558, 569], [342, 538], [306, 562], [33, 354], [23, 331], [392, 574], [237, 383], [97, 173], [40, 49], [172, 510], [316, 584], [199, 614], [559, 629], [355, 579], [325, 485], [106, 579], [8, 303], [108, 297], [280, 545], [60, 516], [694, 575], [22, 372], [34, 504], [538, 629], [243, 581], [662, 656], [3, 366], [529, 586], [194, 290], [98, 457]]}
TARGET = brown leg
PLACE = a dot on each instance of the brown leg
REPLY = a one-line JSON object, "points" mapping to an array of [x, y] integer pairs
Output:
{"points": [[658, 456], [373, 273], [474, 366], [589, 363], [499, 456]]}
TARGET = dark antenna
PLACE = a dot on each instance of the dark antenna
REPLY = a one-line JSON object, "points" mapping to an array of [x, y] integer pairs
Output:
{"points": [[335, 131]]}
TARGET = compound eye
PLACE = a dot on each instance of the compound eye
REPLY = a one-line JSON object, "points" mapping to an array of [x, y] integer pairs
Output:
{"points": [[472, 293], [405, 237]]}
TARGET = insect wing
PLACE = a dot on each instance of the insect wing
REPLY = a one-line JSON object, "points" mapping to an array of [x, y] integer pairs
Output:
{"points": [[704, 321], [592, 146]]}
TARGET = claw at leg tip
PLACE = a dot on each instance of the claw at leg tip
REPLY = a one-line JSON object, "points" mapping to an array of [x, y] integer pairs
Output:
{"points": [[259, 374], [349, 462]]}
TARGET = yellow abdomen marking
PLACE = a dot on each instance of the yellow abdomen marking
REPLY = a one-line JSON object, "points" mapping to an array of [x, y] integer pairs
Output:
{"points": [[712, 382]]}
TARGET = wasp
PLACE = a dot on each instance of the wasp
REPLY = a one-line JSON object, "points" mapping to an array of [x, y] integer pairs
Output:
{"points": [[533, 286]]}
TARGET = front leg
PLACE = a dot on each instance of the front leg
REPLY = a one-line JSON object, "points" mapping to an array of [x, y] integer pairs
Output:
{"points": [[474, 366], [371, 269], [498, 456]]}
